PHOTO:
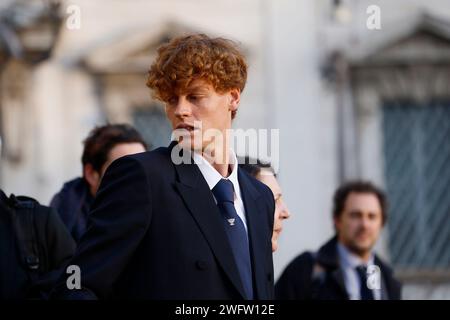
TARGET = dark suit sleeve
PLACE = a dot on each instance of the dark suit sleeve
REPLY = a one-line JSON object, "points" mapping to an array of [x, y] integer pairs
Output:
{"points": [[60, 243], [117, 223]]}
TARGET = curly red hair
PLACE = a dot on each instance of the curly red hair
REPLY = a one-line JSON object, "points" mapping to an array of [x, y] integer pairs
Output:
{"points": [[197, 56]]}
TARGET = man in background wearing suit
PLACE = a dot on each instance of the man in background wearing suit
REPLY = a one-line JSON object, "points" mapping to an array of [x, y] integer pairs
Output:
{"points": [[199, 229], [264, 172], [346, 267], [103, 145]]}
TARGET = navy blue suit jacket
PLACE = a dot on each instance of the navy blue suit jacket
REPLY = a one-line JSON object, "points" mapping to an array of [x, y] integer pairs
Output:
{"points": [[155, 232]]}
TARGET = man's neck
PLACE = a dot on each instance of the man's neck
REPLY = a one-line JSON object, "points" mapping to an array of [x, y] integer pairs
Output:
{"points": [[223, 169], [219, 160], [363, 256]]}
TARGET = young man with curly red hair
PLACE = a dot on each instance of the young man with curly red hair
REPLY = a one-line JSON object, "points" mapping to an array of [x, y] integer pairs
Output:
{"points": [[196, 229]]}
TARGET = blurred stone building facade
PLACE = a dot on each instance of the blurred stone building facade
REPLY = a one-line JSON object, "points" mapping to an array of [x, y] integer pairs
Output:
{"points": [[350, 102]]}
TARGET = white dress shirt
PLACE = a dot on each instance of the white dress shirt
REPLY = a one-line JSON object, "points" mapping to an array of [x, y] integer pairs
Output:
{"points": [[348, 264], [212, 177]]}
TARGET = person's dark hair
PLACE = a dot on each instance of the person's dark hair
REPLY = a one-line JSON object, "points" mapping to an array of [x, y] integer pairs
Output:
{"points": [[102, 139], [254, 166], [341, 195]]}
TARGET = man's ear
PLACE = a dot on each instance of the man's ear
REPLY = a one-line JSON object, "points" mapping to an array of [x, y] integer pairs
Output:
{"points": [[235, 99], [92, 177]]}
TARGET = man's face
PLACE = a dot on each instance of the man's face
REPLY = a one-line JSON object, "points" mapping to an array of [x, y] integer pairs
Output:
{"points": [[281, 210], [201, 104], [360, 222]]}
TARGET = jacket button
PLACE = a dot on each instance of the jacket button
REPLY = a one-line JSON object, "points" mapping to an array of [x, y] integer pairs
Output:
{"points": [[201, 265]]}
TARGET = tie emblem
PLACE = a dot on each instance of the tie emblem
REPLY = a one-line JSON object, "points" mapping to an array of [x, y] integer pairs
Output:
{"points": [[231, 221]]}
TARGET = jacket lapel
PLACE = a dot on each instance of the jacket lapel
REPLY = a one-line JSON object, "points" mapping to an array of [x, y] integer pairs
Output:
{"points": [[255, 214], [390, 287], [328, 257], [199, 200], [338, 277]]}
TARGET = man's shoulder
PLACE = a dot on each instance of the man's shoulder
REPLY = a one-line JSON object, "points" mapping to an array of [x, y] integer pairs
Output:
{"points": [[152, 163], [71, 193], [298, 272], [304, 260], [157, 159], [41, 213], [259, 186], [161, 154], [76, 185]]}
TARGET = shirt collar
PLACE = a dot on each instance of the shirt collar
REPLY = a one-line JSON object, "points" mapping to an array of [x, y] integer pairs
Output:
{"points": [[211, 175], [349, 259]]}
